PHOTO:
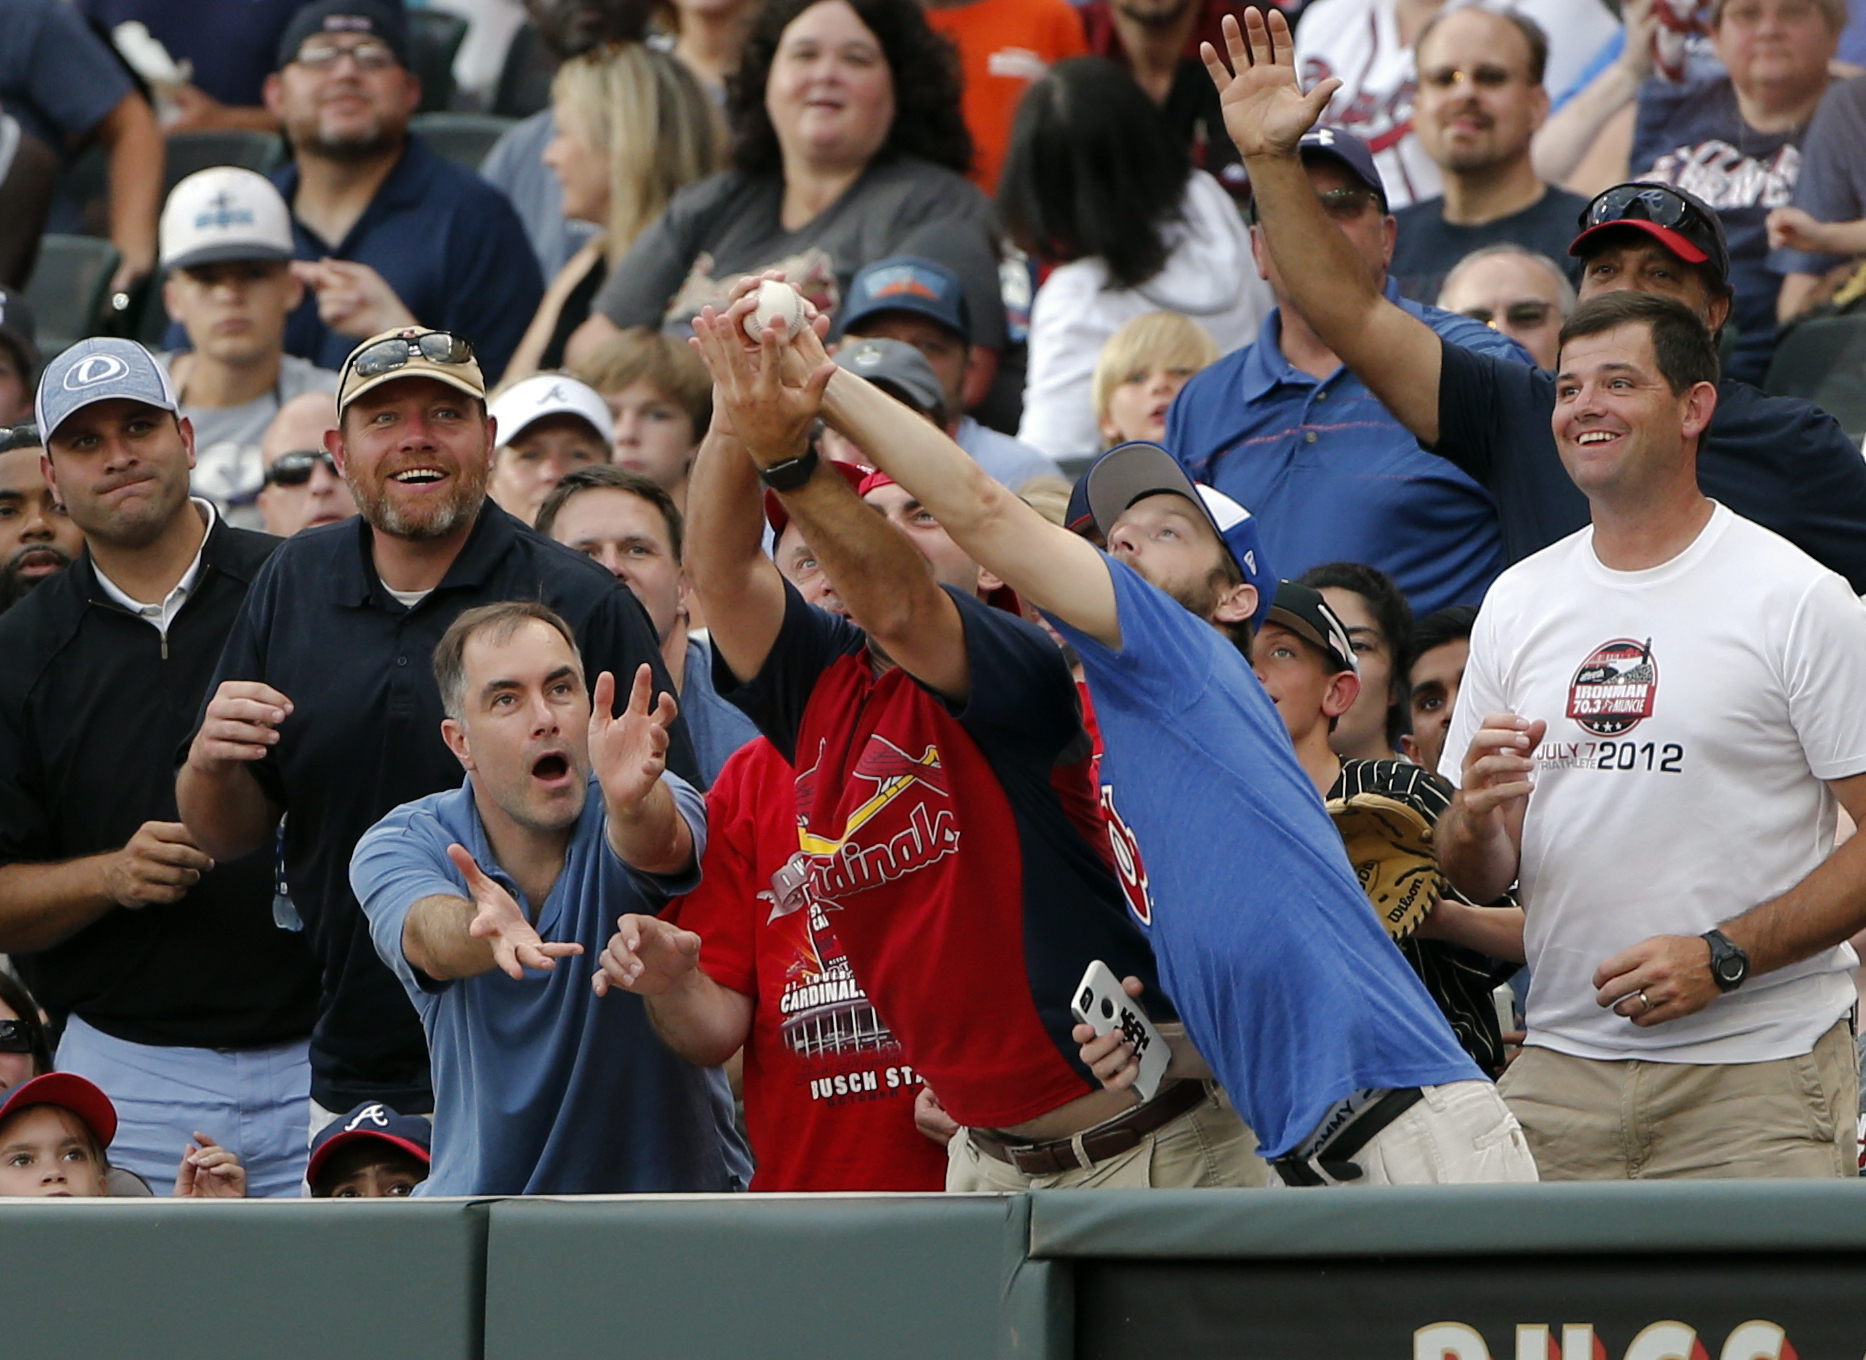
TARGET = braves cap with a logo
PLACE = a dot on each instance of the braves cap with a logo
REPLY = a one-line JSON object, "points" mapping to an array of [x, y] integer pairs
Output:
{"points": [[898, 369], [370, 1120], [67, 1091], [225, 213], [525, 403], [17, 330], [1304, 611], [907, 283], [1347, 150], [103, 368], [1132, 472], [345, 16]]}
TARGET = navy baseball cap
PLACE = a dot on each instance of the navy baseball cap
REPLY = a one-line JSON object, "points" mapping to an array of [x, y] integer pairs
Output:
{"points": [[1345, 148], [370, 1120], [1678, 220], [908, 283], [103, 368], [344, 16], [1131, 472], [1304, 611]]}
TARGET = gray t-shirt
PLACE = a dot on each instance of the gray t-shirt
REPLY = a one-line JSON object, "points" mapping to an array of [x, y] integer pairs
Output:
{"points": [[227, 466], [728, 225]]}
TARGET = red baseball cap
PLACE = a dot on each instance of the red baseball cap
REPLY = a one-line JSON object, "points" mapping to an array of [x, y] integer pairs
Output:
{"points": [[68, 1091], [778, 517]]}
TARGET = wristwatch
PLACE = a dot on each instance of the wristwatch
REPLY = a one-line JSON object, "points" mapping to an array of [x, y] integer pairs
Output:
{"points": [[792, 473], [1729, 965]]}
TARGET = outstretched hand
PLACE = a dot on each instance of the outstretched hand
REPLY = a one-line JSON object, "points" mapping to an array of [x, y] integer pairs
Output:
{"points": [[515, 942], [1265, 110], [629, 753], [647, 956], [771, 415]]}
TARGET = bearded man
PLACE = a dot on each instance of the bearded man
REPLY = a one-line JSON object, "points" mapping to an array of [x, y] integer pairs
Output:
{"points": [[325, 712]]}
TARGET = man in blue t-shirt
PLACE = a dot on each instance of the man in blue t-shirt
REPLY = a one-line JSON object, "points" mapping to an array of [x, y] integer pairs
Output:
{"points": [[1288, 987], [1783, 463], [543, 1083], [1283, 427]]}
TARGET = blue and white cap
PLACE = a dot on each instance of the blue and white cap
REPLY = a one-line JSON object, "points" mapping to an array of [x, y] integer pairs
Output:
{"points": [[1131, 472], [103, 368]]}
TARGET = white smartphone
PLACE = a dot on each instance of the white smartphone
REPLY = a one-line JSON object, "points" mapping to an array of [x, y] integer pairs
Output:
{"points": [[1101, 1003]]}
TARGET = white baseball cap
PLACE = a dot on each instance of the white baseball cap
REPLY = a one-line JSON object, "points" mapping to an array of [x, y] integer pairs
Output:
{"points": [[225, 213], [549, 394]]}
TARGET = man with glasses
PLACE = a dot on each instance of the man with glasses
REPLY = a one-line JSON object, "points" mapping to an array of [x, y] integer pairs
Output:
{"points": [[1479, 103], [325, 705], [1512, 289], [388, 233], [1783, 463], [303, 489], [1282, 427], [227, 247]]}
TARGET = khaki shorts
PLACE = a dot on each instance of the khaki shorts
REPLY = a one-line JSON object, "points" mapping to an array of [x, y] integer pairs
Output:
{"points": [[1208, 1145], [1594, 1120], [1458, 1134]]}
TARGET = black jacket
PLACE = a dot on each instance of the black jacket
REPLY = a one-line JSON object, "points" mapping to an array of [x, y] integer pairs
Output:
{"points": [[93, 705]]}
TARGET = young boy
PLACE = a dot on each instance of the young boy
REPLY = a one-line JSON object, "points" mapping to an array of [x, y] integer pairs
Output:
{"points": [[371, 1153], [662, 401], [1141, 369], [55, 1133]]}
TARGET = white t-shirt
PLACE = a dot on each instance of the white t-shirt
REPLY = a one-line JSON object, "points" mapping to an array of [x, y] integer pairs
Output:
{"points": [[1693, 711], [1358, 41]]}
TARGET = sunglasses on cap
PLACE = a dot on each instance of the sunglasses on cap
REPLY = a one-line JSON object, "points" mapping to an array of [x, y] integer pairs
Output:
{"points": [[17, 1036], [295, 468], [1652, 203], [385, 356]]}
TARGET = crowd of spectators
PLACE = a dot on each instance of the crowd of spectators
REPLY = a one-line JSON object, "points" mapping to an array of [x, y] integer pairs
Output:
{"points": [[495, 703]]}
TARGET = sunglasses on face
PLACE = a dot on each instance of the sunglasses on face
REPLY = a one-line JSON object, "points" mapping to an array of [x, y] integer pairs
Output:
{"points": [[1484, 77], [16, 1036], [369, 55], [1524, 314], [385, 356], [1344, 205], [295, 468]]}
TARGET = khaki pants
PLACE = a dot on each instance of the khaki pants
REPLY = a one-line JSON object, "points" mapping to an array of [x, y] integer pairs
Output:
{"points": [[1591, 1120], [1206, 1146], [1458, 1134]]}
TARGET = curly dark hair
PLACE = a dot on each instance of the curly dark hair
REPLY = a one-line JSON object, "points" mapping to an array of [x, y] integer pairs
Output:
{"points": [[925, 66], [1093, 172]]}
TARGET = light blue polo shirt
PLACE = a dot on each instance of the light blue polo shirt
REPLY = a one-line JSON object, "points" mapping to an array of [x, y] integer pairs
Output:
{"points": [[540, 1086]]}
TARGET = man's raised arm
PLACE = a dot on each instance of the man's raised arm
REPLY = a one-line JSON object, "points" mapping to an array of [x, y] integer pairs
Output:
{"points": [[1266, 113]]}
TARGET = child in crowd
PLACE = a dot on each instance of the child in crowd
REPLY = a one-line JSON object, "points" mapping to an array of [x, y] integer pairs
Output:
{"points": [[55, 1133], [371, 1153], [1141, 369], [662, 400]]}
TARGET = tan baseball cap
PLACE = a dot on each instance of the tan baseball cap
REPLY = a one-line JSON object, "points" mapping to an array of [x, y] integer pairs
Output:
{"points": [[409, 352]]}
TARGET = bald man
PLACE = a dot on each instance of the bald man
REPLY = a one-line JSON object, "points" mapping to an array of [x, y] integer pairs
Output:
{"points": [[302, 489]]}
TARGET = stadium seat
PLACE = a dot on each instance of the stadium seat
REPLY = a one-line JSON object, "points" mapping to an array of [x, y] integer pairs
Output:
{"points": [[1824, 361], [434, 38], [70, 288], [244, 147], [463, 138], [525, 80]]}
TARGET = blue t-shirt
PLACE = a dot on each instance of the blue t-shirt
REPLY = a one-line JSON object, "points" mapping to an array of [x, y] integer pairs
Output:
{"points": [[1284, 977], [1331, 476], [56, 76], [718, 728], [1692, 136], [540, 1086]]}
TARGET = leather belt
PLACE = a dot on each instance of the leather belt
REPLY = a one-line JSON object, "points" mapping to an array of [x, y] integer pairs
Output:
{"points": [[1110, 1138], [1332, 1162]]}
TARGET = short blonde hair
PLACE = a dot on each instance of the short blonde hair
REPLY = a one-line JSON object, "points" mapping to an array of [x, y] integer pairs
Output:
{"points": [[647, 113], [1156, 340], [667, 364]]}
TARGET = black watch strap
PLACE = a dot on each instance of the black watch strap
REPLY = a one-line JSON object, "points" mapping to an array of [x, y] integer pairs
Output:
{"points": [[790, 474], [1729, 965]]}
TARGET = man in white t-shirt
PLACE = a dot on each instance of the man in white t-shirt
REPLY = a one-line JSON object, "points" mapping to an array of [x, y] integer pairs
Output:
{"points": [[1368, 44], [1657, 720]]}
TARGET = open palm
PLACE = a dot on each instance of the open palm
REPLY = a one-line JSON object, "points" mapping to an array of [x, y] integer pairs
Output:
{"points": [[1265, 110], [629, 753]]}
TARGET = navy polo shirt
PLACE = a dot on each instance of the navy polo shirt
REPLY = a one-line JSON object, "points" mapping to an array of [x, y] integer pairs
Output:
{"points": [[1332, 477], [450, 246], [1782, 462], [364, 737]]}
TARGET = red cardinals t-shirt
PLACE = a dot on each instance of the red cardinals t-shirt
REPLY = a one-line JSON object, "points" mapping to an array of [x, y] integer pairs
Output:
{"points": [[829, 1093], [955, 853]]}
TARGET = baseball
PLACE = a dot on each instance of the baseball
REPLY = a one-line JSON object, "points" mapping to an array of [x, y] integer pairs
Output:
{"points": [[775, 300]]}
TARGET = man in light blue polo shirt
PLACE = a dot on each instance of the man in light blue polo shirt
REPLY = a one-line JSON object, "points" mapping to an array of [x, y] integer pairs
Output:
{"points": [[1283, 427], [568, 818]]}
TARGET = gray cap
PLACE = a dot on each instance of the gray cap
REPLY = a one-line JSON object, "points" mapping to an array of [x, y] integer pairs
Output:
{"points": [[16, 329], [103, 368], [898, 369]]}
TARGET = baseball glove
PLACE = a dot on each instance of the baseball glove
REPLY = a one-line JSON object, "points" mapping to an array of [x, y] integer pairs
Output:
{"points": [[1389, 844]]}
